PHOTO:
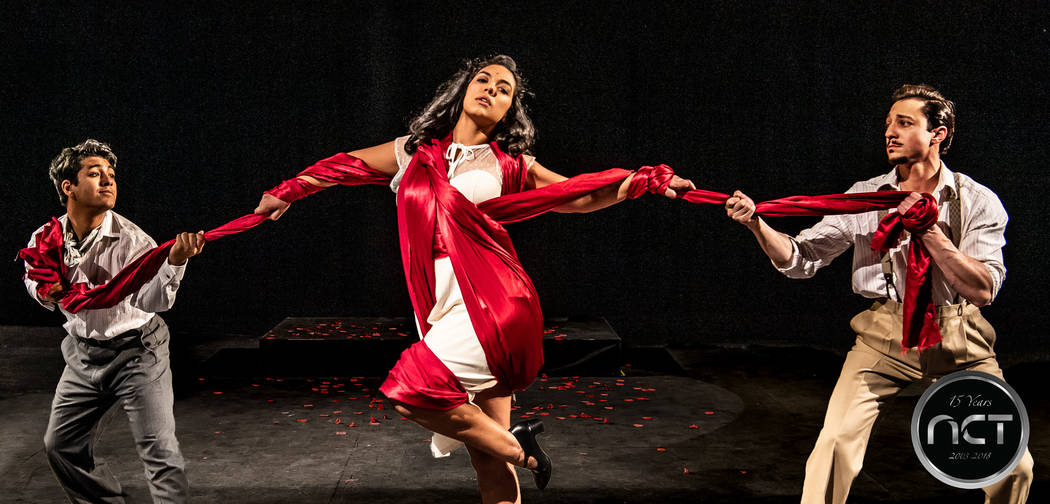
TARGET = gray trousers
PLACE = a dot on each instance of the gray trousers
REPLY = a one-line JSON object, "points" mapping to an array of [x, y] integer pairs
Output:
{"points": [[133, 370]]}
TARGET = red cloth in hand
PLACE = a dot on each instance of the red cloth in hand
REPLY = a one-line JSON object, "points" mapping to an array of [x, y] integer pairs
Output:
{"points": [[920, 314], [920, 321], [47, 267], [45, 260]]}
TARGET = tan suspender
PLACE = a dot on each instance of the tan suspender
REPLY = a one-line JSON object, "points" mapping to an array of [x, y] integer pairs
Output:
{"points": [[955, 229]]}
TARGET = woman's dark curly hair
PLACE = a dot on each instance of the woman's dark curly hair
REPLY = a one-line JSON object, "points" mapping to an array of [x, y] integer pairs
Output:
{"points": [[515, 134]]}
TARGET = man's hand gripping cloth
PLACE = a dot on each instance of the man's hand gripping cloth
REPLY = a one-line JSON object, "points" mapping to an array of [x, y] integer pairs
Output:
{"points": [[920, 316]]}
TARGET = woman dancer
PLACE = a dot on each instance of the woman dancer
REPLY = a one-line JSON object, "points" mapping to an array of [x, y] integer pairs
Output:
{"points": [[475, 308]]}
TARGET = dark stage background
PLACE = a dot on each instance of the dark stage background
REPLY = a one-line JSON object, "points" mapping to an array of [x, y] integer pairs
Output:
{"points": [[207, 106]]}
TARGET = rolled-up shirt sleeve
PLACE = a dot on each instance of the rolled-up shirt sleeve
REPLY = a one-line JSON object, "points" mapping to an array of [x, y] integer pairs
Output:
{"points": [[983, 237], [817, 246]]}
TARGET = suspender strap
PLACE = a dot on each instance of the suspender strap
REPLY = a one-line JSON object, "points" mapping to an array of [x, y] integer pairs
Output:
{"points": [[955, 213], [955, 224]]}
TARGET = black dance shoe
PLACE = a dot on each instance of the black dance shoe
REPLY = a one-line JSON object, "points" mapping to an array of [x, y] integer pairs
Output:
{"points": [[526, 432]]}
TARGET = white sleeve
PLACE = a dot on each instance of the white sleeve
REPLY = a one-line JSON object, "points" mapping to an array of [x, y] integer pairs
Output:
{"points": [[817, 246], [403, 159], [158, 294], [983, 239]]}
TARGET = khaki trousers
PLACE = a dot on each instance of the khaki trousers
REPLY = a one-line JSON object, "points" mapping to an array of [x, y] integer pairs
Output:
{"points": [[876, 370]]}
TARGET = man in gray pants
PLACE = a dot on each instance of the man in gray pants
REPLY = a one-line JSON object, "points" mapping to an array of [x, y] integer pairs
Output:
{"points": [[117, 354]]}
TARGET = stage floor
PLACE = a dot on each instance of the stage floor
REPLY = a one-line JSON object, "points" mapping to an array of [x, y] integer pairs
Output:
{"points": [[704, 425]]}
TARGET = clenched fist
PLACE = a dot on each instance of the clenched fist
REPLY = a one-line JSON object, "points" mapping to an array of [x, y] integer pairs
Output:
{"points": [[741, 208], [186, 246]]}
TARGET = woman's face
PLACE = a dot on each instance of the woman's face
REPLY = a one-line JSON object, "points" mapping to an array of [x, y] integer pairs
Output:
{"points": [[489, 95]]}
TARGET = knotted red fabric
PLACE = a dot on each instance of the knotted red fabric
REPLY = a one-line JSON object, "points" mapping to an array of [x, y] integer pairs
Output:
{"points": [[920, 315]]}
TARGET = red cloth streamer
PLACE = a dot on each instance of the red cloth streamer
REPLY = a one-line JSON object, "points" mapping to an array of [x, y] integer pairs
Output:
{"points": [[47, 256], [341, 169], [920, 315]]}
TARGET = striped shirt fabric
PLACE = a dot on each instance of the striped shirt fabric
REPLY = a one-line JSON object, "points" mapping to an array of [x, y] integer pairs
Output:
{"points": [[983, 224], [95, 260]]}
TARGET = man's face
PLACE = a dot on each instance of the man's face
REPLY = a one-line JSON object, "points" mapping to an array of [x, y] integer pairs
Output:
{"points": [[907, 138], [96, 186]]}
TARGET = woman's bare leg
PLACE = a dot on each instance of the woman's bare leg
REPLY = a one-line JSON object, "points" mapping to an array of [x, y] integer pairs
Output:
{"points": [[470, 425], [497, 479]]}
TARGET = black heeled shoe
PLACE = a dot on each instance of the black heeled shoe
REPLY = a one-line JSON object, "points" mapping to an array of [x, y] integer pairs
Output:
{"points": [[525, 432]]}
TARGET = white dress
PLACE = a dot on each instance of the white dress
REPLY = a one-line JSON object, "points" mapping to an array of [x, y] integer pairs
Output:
{"points": [[475, 172]]}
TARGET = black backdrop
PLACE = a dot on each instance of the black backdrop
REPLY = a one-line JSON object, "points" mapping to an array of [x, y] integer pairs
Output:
{"points": [[207, 106]]}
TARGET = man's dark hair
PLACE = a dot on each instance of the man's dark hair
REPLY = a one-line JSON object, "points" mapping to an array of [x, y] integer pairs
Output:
{"points": [[66, 164], [939, 110]]}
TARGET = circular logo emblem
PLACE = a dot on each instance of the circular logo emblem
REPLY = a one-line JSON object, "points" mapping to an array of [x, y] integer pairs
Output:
{"points": [[969, 429]]}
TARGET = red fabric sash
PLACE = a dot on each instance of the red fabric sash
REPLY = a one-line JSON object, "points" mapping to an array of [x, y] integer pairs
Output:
{"points": [[47, 267], [920, 315], [499, 296]]}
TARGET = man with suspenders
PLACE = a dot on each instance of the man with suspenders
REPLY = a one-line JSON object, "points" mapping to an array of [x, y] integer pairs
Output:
{"points": [[965, 246]]}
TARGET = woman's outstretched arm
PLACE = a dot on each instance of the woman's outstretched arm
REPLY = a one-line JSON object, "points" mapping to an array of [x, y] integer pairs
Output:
{"points": [[380, 157], [540, 176]]}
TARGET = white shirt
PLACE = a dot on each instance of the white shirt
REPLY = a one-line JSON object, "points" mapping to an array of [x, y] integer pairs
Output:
{"points": [[102, 254], [983, 223]]}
